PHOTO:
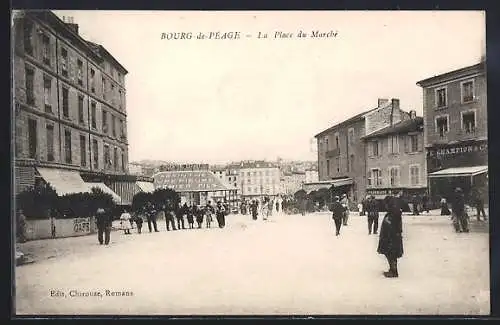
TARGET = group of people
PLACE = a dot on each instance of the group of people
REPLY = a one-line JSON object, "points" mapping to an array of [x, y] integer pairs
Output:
{"points": [[458, 212]]}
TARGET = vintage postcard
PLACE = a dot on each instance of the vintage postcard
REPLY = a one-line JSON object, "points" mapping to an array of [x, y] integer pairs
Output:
{"points": [[250, 163]]}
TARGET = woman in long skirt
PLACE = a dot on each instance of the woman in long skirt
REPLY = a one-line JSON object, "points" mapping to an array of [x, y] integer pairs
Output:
{"points": [[125, 222], [390, 241]]}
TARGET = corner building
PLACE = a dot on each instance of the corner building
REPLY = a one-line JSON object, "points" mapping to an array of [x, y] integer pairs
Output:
{"points": [[70, 120]]}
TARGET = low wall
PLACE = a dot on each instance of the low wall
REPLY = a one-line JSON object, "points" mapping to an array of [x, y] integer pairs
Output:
{"points": [[59, 228]]}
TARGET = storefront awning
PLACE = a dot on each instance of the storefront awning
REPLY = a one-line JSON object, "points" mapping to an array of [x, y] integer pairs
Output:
{"points": [[116, 198], [64, 181], [460, 172], [147, 187], [309, 187]]}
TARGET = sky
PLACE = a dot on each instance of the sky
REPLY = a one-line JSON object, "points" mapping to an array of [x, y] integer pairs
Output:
{"points": [[220, 100]]}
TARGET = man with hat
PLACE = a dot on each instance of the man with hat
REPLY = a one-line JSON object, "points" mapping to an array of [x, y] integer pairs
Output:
{"points": [[345, 203], [373, 215], [104, 222], [458, 212], [337, 214]]}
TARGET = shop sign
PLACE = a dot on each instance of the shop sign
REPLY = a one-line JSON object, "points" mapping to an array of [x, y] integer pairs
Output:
{"points": [[453, 150]]}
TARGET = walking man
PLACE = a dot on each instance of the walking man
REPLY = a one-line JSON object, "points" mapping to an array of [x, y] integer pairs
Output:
{"points": [[181, 211], [460, 222], [150, 212], [221, 215], [345, 203], [103, 221], [373, 215], [337, 214], [478, 203]]}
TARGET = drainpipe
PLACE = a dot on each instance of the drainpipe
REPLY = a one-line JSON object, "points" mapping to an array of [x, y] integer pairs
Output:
{"points": [[58, 100]]}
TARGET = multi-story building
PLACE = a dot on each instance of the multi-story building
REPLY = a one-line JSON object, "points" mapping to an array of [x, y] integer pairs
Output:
{"points": [[395, 159], [456, 130], [342, 153], [291, 182], [258, 178], [311, 176], [70, 116]]}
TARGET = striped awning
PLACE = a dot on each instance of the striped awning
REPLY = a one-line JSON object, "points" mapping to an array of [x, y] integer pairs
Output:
{"points": [[460, 172], [116, 198], [147, 187], [64, 181]]}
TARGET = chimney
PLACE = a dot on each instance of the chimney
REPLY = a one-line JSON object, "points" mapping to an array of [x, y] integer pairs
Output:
{"points": [[70, 22], [394, 108], [382, 101]]}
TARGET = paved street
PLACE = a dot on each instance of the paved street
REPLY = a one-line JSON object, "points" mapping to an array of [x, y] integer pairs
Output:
{"points": [[290, 265]]}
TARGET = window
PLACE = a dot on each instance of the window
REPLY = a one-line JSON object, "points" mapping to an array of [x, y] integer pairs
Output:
{"points": [[104, 121], [81, 119], [50, 142], [327, 147], [92, 80], [47, 90], [115, 157], [337, 162], [249, 190], [83, 151], [32, 139], [65, 95], [107, 157], [351, 161], [469, 121], [394, 174], [350, 135], [441, 97], [80, 72], [113, 125], [442, 125], [28, 37], [67, 147], [467, 91], [93, 109], [123, 163], [413, 143], [337, 144], [95, 150], [376, 177], [373, 149], [103, 88], [30, 95], [113, 93], [327, 167], [414, 174], [393, 144], [120, 103], [46, 49], [64, 62]]}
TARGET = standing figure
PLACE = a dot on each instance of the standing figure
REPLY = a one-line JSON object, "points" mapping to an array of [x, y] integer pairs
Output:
{"points": [[199, 213], [373, 215], [390, 241], [277, 205], [181, 211], [460, 222], [190, 216], [445, 211], [265, 208], [150, 212], [415, 202], [220, 215], [138, 221], [21, 227], [478, 203], [209, 210], [169, 216], [425, 203], [337, 214], [103, 221], [125, 220], [254, 209], [345, 204]]}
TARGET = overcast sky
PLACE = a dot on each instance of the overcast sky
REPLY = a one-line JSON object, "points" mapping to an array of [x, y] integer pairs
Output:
{"points": [[226, 100]]}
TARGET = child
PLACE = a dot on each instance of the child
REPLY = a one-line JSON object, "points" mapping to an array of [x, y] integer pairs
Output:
{"points": [[208, 213], [125, 221], [190, 213], [138, 221]]}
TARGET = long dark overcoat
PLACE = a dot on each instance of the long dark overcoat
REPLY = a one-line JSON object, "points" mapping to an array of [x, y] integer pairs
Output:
{"points": [[390, 241]]}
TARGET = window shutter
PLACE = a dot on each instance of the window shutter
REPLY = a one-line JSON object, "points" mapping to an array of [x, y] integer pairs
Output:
{"points": [[420, 142], [406, 143], [380, 146], [370, 149]]}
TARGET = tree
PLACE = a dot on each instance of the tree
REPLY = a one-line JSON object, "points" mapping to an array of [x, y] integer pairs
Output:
{"points": [[140, 199], [300, 195], [36, 202], [166, 196]]}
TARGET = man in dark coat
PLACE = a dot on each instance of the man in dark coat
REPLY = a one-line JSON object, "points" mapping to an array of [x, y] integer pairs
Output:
{"points": [[337, 214], [425, 203], [478, 203], [391, 241], [179, 214], [460, 221], [254, 208], [150, 213], [373, 215], [169, 216], [220, 214], [104, 222]]}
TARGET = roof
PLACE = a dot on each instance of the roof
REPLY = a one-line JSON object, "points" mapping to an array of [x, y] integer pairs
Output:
{"points": [[448, 76], [460, 171], [404, 126], [103, 52], [355, 118], [189, 181]]}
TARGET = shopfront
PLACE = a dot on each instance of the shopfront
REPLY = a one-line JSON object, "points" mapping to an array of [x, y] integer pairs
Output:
{"points": [[406, 195]]}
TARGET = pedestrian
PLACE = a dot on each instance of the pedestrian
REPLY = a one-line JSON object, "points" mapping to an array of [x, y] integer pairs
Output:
{"points": [[168, 210], [459, 216], [221, 215], [190, 216], [125, 220], [478, 203], [138, 221], [21, 226], [278, 205], [254, 209], [199, 213], [373, 215], [390, 242], [181, 211], [415, 203], [151, 212], [345, 203], [445, 211], [337, 214], [265, 208], [425, 203], [104, 222], [209, 210]]}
